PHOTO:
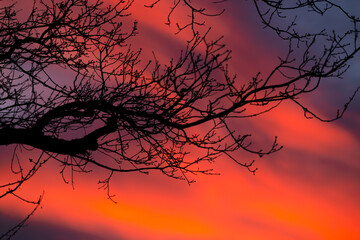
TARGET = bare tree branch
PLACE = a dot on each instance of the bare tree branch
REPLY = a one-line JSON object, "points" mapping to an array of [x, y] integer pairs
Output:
{"points": [[112, 109]]}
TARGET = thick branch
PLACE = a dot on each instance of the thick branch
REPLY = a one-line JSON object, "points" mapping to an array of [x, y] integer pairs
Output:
{"points": [[38, 140]]}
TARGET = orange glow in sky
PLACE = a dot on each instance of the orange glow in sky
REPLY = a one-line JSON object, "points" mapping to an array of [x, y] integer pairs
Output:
{"points": [[310, 190]]}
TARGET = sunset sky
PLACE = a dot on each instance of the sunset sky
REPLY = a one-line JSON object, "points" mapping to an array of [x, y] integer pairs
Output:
{"points": [[310, 190]]}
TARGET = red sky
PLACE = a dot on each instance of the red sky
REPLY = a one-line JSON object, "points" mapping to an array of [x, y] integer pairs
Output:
{"points": [[309, 190]]}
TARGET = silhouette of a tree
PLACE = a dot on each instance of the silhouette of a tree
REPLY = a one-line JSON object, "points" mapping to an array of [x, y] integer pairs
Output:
{"points": [[112, 109]]}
